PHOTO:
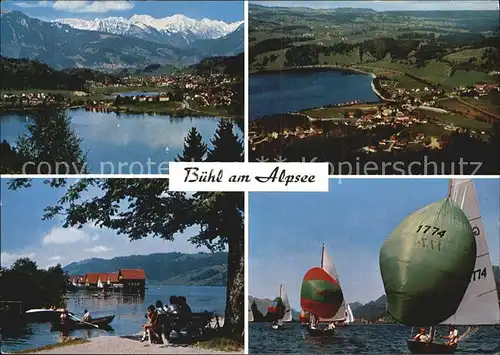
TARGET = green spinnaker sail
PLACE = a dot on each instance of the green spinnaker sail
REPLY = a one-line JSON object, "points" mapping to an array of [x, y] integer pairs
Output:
{"points": [[426, 264]]}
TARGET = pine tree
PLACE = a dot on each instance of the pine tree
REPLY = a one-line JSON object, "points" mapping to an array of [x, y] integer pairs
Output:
{"points": [[194, 148], [227, 147]]}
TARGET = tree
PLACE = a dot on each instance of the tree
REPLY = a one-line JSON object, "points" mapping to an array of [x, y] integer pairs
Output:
{"points": [[227, 147], [51, 145], [194, 148]]}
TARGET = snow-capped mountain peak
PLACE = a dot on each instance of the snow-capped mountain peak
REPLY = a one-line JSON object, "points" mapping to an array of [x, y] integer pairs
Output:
{"points": [[178, 24]]}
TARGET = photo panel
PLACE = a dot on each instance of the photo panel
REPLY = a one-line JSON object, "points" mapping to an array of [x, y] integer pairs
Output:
{"points": [[120, 266], [120, 87], [376, 266], [376, 87]]}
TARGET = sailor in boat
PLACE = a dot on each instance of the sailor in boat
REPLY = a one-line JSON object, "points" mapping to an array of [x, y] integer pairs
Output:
{"points": [[86, 316], [452, 337], [421, 336]]}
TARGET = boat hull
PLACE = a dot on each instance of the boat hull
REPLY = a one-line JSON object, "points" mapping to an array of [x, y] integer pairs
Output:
{"points": [[320, 332], [417, 347], [102, 323]]}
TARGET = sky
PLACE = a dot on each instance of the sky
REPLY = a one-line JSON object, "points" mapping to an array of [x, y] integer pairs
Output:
{"points": [[228, 11], [389, 5], [24, 234], [286, 231]]}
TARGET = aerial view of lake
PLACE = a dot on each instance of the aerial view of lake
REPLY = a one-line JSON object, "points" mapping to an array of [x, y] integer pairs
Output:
{"points": [[129, 315], [280, 92], [110, 138]]}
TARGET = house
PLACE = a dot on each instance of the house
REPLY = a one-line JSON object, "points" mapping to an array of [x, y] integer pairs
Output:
{"points": [[113, 280], [102, 280], [91, 279], [76, 280], [132, 280]]}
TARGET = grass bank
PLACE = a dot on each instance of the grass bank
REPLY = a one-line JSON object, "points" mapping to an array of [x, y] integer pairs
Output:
{"points": [[221, 344]]}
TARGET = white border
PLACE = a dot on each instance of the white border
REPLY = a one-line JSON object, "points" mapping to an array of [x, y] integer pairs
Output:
{"points": [[245, 150], [166, 176]]}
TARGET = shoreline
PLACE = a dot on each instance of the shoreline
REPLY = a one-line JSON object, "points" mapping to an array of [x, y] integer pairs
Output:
{"points": [[120, 345]]}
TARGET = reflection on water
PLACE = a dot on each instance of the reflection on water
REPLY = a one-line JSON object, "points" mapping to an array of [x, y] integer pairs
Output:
{"points": [[130, 139], [129, 314]]}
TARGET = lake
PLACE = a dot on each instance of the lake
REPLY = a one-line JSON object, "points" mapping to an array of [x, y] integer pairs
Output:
{"points": [[281, 92], [128, 316], [130, 139], [356, 339]]}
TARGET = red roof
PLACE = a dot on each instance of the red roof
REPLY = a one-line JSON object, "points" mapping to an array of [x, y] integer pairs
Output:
{"points": [[103, 277], [91, 277], [132, 274], [113, 277]]}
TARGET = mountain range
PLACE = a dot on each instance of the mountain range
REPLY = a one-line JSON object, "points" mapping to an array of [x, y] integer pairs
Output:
{"points": [[202, 269], [177, 30], [117, 44]]}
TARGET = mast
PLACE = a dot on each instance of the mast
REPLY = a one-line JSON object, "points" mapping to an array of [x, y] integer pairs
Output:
{"points": [[322, 253], [449, 188]]}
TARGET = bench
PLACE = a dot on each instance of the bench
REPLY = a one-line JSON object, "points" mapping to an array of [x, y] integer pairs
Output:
{"points": [[197, 325]]}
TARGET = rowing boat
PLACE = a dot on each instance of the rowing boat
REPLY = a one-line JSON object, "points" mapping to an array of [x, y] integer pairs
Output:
{"points": [[100, 323]]}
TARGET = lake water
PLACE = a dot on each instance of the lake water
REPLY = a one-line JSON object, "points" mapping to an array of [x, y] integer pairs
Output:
{"points": [[281, 92], [357, 339], [128, 316], [111, 139]]}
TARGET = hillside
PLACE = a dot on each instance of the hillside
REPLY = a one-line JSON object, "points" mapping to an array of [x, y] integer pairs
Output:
{"points": [[21, 74], [202, 269], [414, 43]]}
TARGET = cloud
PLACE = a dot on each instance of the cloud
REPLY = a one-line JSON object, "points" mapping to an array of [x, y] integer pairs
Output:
{"points": [[55, 258], [33, 4], [98, 249], [6, 259], [92, 6], [59, 235]]}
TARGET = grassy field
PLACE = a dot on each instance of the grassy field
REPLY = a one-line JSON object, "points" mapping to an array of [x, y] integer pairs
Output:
{"points": [[338, 112], [458, 120], [465, 55], [466, 78], [488, 103], [158, 107]]}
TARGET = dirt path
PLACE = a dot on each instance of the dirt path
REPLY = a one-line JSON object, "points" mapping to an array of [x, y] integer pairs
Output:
{"points": [[118, 345]]}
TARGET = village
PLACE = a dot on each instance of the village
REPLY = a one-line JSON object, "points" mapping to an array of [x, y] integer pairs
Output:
{"points": [[415, 111], [125, 280], [194, 91]]}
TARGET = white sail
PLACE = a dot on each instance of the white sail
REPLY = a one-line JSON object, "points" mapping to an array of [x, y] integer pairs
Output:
{"points": [[288, 310], [327, 265], [479, 305], [350, 315], [250, 315]]}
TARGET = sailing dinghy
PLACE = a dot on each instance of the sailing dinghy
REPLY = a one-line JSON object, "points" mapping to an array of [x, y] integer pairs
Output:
{"points": [[444, 265], [280, 310], [321, 296]]}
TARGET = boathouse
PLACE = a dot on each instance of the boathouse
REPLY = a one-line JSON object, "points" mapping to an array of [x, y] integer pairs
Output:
{"points": [[91, 279], [132, 280]]}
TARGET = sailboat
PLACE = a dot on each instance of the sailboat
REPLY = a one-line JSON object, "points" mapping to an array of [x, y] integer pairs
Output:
{"points": [[304, 318], [281, 310], [348, 317], [321, 296], [250, 315], [454, 257]]}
